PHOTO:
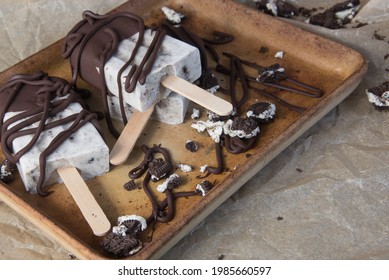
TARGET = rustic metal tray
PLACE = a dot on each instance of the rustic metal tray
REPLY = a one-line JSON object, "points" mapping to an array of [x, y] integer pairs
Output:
{"points": [[309, 58]]}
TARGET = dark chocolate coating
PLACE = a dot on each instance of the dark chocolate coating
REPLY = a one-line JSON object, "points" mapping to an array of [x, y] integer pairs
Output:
{"points": [[93, 41]]}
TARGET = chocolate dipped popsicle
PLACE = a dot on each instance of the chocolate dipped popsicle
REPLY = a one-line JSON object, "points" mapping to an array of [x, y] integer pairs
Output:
{"points": [[48, 134], [120, 56]]}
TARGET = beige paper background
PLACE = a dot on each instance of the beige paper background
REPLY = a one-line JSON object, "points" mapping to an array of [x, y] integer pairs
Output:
{"points": [[325, 197]]}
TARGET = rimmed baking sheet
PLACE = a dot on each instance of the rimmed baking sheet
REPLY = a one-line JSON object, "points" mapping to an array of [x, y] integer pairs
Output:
{"points": [[309, 58]]}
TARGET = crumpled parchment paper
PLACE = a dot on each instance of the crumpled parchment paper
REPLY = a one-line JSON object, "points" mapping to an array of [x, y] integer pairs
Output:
{"points": [[325, 197]]}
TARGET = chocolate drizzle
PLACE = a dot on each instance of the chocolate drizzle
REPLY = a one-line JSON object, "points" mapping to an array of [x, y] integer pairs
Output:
{"points": [[157, 213], [36, 98], [163, 211], [307, 90], [220, 163]]}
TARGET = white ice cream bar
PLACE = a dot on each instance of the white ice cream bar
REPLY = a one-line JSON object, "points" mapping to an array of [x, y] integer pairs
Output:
{"points": [[84, 150], [175, 58], [171, 110]]}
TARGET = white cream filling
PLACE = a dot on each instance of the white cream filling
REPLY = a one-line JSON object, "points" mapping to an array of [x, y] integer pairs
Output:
{"points": [[172, 15], [271, 6], [140, 219], [195, 114], [162, 187], [269, 113], [184, 167], [200, 188], [203, 168], [279, 54]]}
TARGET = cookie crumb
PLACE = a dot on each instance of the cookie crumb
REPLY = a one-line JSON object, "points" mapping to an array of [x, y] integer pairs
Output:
{"points": [[191, 146]]}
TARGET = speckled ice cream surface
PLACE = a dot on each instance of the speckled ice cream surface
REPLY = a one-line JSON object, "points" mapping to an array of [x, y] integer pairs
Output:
{"points": [[84, 150], [171, 110], [174, 58]]}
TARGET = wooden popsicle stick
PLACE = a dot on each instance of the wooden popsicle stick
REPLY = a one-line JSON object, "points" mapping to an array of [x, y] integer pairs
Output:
{"points": [[130, 134], [198, 95], [88, 205]]}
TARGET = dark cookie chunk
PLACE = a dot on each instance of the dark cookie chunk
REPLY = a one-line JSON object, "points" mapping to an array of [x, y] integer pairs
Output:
{"points": [[123, 241], [379, 96], [191, 146], [174, 181], [204, 187], [133, 227], [6, 171], [326, 19], [263, 49], [208, 81], [278, 8], [336, 16], [262, 112], [121, 246], [272, 74], [244, 127], [130, 185], [159, 168]]}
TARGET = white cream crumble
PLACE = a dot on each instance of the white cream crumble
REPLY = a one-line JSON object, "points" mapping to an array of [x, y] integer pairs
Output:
{"points": [[200, 188], [195, 114], [203, 168], [239, 133], [270, 73], [120, 230], [172, 15], [140, 219], [214, 129], [279, 54], [272, 6], [184, 167], [162, 187], [267, 114], [213, 89]]}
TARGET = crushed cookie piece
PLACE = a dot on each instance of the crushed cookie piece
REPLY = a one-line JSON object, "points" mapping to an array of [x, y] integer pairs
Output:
{"points": [[204, 187], [123, 241], [191, 146], [272, 74], [262, 112], [379, 96], [130, 185], [172, 182], [6, 171]]}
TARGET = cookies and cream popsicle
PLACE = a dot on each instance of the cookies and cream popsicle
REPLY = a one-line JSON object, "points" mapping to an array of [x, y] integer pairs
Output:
{"points": [[47, 133], [119, 55]]}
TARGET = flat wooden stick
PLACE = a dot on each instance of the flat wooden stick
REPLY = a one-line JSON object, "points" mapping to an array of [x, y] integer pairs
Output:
{"points": [[88, 205], [130, 134], [198, 95]]}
